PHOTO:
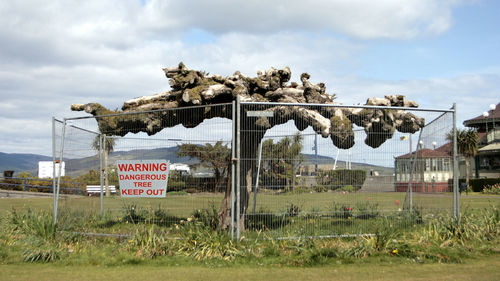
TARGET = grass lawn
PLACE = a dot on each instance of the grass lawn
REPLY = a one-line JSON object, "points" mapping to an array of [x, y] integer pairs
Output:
{"points": [[478, 269], [271, 207], [184, 205], [435, 248]]}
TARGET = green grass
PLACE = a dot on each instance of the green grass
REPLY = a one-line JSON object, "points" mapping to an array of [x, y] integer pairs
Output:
{"points": [[184, 204], [313, 213], [436, 249], [479, 269]]}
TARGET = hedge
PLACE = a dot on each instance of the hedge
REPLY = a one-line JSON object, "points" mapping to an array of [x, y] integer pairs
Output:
{"points": [[335, 179], [477, 185]]}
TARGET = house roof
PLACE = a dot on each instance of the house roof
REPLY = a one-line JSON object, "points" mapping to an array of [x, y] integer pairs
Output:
{"points": [[494, 115], [442, 151], [494, 147]]}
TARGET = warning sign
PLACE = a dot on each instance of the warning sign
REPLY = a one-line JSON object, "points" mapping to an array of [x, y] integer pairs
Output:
{"points": [[143, 178]]}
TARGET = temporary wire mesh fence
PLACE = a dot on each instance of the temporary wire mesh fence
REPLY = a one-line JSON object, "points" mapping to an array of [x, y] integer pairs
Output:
{"points": [[284, 182], [198, 172], [301, 184]]}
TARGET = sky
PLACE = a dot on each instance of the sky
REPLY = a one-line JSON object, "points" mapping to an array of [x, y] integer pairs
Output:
{"points": [[56, 53]]}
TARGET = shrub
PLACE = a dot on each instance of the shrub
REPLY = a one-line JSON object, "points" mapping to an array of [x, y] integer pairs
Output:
{"points": [[348, 188], [335, 179], [342, 211], [478, 185], [492, 189], [320, 188], [133, 214], [207, 217], [160, 217], [293, 210], [302, 189], [174, 185], [366, 210]]}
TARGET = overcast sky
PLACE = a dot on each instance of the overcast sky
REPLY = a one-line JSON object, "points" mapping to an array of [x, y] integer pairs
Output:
{"points": [[55, 53]]}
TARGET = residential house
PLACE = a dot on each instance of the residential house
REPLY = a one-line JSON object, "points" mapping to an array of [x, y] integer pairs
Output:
{"points": [[432, 170], [487, 161]]}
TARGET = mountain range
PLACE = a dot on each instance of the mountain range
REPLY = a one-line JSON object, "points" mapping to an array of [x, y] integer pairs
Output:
{"points": [[20, 162]]}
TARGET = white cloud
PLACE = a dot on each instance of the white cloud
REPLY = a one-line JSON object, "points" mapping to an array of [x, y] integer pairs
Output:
{"points": [[55, 53], [471, 92], [362, 19]]}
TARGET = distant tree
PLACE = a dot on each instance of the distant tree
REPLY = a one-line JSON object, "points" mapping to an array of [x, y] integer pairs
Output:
{"points": [[467, 141], [215, 157], [109, 146], [281, 159]]}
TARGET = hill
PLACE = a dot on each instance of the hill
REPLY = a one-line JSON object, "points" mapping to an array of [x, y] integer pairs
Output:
{"points": [[74, 167], [20, 162]]}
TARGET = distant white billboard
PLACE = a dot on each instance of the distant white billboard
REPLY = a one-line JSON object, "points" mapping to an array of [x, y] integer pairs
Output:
{"points": [[46, 169]]}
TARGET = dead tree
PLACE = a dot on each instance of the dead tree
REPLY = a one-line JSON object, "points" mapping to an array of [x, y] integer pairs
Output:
{"points": [[195, 88]]}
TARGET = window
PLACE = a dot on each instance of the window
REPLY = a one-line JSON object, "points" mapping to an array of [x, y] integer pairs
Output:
{"points": [[440, 164], [446, 164]]}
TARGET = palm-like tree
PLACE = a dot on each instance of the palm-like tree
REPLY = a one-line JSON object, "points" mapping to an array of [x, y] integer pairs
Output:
{"points": [[467, 141], [108, 147], [283, 158]]}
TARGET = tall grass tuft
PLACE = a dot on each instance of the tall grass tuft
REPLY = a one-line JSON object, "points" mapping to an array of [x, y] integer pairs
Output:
{"points": [[40, 225], [203, 243], [150, 243], [45, 253]]}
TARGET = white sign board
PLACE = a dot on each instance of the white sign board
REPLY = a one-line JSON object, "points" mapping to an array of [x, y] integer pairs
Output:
{"points": [[143, 178], [46, 169]]}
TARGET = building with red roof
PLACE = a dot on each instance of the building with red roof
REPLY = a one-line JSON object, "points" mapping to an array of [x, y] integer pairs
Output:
{"points": [[487, 161], [431, 172]]}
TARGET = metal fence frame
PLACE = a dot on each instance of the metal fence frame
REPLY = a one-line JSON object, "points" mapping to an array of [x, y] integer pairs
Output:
{"points": [[236, 155]]}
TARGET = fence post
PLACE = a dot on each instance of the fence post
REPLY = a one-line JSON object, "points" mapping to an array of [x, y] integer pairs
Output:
{"points": [[101, 175], [456, 193], [409, 191], [233, 165], [58, 187], [53, 158], [238, 168]]}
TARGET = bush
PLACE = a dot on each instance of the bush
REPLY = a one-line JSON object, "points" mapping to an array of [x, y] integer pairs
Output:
{"points": [[341, 211], [160, 217], [478, 185], [133, 214], [336, 179], [492, 189], [348, 188], [366, 210], [207, 217], [176, 185], [293, 210]]}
